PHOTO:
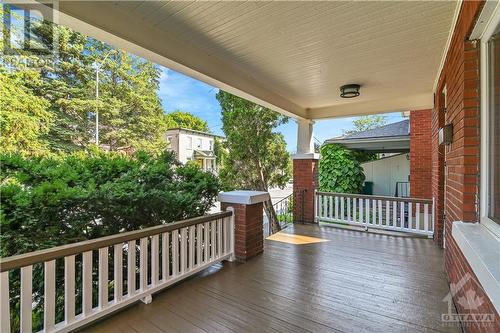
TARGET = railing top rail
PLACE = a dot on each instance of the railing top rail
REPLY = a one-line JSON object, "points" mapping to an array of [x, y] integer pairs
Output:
{"points": [[22, 260], [283, 199], [376, 197]]}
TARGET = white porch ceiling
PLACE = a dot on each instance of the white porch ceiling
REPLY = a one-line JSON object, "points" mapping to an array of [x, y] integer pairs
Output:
{"points": [[290, 56]]}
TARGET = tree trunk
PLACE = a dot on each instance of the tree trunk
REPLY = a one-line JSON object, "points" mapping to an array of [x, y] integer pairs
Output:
{"points": [[272, 217]]}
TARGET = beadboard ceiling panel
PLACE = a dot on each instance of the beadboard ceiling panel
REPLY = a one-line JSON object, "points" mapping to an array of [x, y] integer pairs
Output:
{"points": [[292, 56]]}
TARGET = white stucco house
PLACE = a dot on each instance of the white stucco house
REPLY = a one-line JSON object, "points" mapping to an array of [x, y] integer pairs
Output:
{"points": [[191, 145]]}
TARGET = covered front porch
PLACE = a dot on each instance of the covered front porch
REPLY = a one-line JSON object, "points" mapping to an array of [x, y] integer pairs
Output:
{"points": [[308, 279]]}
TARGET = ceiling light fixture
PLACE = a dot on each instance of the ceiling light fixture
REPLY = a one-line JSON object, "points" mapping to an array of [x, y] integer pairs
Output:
{"points": [[349, 90]]}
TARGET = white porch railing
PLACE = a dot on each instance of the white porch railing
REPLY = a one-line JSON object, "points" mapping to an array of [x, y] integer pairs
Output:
{"points": [[167, 254], [390, 213]]}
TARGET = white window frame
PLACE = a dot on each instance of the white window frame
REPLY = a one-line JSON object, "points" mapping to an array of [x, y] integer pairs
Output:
{"points": [[189, 142], [488, 31], [480, 242], [199, 143]]}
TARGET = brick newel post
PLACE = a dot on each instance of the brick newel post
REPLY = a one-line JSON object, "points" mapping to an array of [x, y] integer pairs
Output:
{"points": [[248, 221], [305, 181]]}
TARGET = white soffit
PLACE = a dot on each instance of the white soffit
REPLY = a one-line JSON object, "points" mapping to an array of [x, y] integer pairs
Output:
{"points": [[291, 56]]}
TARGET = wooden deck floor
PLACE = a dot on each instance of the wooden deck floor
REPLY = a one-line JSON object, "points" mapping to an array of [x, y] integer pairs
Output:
{"points": [[353, 282]]}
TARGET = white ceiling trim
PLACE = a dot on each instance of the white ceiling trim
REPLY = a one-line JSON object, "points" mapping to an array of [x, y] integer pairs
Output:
{"points": [[391, 104], [448, 42]]}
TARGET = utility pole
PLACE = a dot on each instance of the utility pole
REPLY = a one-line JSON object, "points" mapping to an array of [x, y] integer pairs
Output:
{"points": [[97, 67]]}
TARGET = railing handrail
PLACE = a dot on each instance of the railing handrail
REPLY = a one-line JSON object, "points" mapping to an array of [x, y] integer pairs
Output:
{"points": [[283, 199], [376, 197], [31, 258]]}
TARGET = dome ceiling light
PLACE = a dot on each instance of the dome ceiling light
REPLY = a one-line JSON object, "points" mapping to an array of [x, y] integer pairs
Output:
{"points": [[349, 90]]}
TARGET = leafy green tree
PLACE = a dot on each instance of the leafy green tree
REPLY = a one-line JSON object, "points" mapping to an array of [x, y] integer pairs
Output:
{"points": [[131, 116], [257, 157], [185, 120], [339, 170], [24, 118], [365, 123]]}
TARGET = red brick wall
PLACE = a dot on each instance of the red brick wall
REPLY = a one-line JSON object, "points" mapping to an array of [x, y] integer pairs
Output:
{"points": [[305, 181], [420, 154], [248, 233], [460, 75], [457, 269], [455, 168]]}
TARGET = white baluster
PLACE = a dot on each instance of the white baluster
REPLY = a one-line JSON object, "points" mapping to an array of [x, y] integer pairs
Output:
{"points": [[341, 209], [426, 217], [410, 216], [206, 242], [183, 250], [417, 216], [394, 214], [165, 256], [212, 240], [336, 208], [143, 264], [219, 238], [155, 259], [402, 215], [199, 236], [118, 272], [103, 277], [4, 302], [49, 301], [380, 212], [191, 248], [348, 210], [175, 253], [87, 283], [69, 289], [131, 268], [26, 298], [387, 213]]}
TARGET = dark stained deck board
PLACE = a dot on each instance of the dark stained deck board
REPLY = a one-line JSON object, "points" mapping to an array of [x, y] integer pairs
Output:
{"points": [[355, 282]]}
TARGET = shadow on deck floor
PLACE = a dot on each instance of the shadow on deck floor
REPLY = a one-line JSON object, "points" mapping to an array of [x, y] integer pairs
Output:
{"points": [[352, 282]]}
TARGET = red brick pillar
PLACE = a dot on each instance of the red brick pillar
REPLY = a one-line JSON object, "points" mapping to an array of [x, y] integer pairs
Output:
{"points": [[421, 154], [305, 181], [248, 221]]}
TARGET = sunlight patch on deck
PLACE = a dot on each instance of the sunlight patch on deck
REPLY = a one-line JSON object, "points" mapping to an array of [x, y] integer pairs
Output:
{"points": [[295, 239]]}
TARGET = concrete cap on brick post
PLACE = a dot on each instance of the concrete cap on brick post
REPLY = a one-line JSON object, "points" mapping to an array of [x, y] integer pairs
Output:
{"points": [[248, 221]]}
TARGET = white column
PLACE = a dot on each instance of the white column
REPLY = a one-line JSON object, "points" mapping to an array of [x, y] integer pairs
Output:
{"points": [[305, 139]]}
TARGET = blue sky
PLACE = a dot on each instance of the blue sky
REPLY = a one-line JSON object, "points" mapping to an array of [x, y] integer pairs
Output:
{"points": [[178, 91]]}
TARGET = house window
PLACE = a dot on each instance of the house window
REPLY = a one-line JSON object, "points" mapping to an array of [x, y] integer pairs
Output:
{"points": [[198, 143], [211, 143], [189, 142], [493, 135]]}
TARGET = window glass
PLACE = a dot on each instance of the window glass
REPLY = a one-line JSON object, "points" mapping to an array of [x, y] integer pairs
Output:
{"points": [[494, 130], [190, 142], [198, 143]]}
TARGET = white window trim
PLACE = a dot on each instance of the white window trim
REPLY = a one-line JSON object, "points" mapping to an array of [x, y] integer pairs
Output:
{"points": [[189, 142], [480, 242]]}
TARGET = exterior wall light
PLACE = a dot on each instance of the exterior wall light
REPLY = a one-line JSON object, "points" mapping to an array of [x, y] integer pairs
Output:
{"points": [[349, 90]]}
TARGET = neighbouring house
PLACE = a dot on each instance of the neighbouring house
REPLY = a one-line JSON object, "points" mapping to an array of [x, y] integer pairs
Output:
{"points": [[196, 146], [395, 144]]}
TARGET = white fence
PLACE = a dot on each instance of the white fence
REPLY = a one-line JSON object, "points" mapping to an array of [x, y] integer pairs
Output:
{"points": [[166, 254], [390, 213]]}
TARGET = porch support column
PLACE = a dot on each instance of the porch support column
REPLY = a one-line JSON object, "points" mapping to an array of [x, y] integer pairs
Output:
{"points": [[248, 221], [305, 173]]}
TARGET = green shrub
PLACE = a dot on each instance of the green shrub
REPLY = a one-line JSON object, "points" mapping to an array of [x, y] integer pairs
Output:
{"points": [[49, 201], [339, 170]]}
